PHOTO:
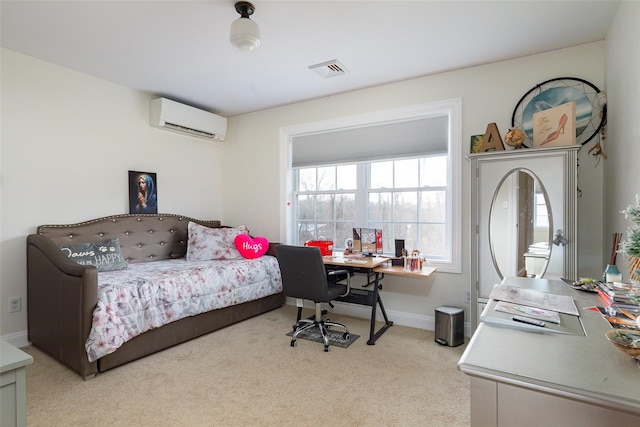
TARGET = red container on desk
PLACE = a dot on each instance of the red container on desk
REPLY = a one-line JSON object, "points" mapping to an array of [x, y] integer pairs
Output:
{"points": [[326, 246]]}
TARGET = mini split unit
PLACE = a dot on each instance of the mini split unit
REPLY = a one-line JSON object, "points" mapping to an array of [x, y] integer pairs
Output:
{"points": [[187, 120]]}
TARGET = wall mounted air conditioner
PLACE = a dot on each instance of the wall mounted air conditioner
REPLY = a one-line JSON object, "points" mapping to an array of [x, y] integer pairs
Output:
{"points": [[187, 120]]}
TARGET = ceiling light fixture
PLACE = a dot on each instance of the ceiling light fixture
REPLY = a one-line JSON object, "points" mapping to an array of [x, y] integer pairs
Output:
{"points": [[245, 33]]}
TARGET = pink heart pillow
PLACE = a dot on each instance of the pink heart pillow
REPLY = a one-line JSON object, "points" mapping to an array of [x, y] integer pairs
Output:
{"points": [[251, 247]]}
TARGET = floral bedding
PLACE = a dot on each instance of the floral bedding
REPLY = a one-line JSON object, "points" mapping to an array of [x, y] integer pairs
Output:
{"points": [[151, 294]]}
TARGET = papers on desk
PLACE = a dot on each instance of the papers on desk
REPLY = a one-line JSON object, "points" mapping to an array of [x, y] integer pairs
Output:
{"points": [[533, 298], [525, 310], [508, 301]]}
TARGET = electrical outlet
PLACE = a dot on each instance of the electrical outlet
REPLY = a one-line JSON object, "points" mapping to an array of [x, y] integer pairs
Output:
{"points": [[467, 297], [15, 304]]}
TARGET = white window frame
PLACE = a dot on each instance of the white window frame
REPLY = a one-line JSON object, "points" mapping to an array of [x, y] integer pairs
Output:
{"points": [[451, 108]]}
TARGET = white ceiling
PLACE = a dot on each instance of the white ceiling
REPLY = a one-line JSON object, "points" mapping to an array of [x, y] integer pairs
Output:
{"points": [[181, 49]]}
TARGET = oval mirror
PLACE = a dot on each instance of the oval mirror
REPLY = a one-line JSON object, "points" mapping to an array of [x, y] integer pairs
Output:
{"points": [[520, 225]]}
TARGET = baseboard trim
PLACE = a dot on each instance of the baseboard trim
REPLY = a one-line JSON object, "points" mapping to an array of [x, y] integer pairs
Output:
{"points": [[17, 339], [21, 339]]}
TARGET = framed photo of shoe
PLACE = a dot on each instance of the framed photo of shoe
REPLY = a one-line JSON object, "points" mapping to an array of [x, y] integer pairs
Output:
{"points": [[590, 104], [555, 127]]}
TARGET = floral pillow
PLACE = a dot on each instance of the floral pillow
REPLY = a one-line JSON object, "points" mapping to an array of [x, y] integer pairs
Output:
{"points": [[206, 243]]}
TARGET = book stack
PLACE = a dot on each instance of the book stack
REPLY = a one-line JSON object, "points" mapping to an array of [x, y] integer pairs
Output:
{"points": [[621, 307], [616, 293]]}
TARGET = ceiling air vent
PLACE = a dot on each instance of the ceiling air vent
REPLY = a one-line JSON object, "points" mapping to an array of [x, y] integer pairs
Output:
{"points": [[329, 69]]}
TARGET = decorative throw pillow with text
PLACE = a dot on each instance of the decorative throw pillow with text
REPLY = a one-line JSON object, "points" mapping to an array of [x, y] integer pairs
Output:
{"points": [[104, 255]]}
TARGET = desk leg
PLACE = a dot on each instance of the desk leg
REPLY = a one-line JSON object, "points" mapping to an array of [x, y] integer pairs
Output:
{"points": [[373, 336]]}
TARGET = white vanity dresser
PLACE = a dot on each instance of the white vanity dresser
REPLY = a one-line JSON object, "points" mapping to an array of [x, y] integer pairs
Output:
{"points": [[522, 378], [13, 389], [523, 218]]}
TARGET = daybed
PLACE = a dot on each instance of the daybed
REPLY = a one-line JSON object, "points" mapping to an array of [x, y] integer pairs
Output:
{"points": [[63, 295]]}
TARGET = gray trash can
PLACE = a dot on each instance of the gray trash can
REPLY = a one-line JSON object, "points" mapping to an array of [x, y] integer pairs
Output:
{"points": [[449, 325]]}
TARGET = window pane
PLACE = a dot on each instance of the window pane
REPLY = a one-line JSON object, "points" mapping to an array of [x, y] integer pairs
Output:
{"points": [[327, 178], [307, 179], [324, 206], [405, 206], [406, 173], [347, 177], [306, 231], [344, 231], [433, 206], [324, 231], [379, 207], [345, 206], [408, 233], [306, 207], [432, 240], [433, 171], [381, 175]]}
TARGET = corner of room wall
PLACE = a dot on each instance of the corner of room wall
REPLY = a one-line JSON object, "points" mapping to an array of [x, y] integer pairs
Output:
{"points": [[622, 173]]}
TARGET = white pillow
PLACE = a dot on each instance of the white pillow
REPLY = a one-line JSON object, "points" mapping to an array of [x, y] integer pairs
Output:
{"points": [[206, 243]]}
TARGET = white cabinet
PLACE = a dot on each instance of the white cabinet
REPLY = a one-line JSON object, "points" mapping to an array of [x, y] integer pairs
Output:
{"points": [[521, 202], [13, 389], [519, 378]]}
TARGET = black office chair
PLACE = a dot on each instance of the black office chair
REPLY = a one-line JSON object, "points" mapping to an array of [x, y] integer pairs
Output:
{"points": [[304, 277]]}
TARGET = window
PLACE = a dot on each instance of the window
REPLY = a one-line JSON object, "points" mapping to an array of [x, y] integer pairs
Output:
{"points": [[405, 198], [541, 214], [325, 203], [398, 171]]}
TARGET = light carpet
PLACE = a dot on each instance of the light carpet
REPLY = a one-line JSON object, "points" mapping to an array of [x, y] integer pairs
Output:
{"points": [[248, 375]]}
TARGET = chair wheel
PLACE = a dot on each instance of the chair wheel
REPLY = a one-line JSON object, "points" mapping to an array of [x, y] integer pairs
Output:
{"points": [[326, 348], [346, 336], [293, 343]]}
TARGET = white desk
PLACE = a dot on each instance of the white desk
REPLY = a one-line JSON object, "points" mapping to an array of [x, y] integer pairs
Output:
{"points": [[533, 379], [13, 388]]}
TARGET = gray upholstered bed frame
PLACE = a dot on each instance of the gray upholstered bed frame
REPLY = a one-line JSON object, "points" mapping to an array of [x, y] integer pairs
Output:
{"points": [[61, 294]]}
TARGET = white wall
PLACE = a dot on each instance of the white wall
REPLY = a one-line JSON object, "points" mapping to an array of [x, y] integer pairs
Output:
{"points": [[68, 140], [622, 170], [489, 94]]}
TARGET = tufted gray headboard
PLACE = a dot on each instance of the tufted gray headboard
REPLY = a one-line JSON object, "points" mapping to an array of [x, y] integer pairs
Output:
{"points": [[143, 237]]}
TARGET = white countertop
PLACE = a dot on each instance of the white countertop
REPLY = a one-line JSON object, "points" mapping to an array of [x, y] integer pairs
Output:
{"points": [[12, 357], [587, 368]]}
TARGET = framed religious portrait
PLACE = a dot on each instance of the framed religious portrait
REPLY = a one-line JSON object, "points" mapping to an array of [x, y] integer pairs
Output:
{"points": [[143, 192]]}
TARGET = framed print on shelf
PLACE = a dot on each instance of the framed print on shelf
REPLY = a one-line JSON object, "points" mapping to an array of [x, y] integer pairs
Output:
{"points": [[591, 112], [143, 192], [555, 127], [476, 143]]}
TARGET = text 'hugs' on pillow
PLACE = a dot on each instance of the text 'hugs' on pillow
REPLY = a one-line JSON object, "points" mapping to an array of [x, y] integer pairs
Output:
{"points": [[251, 247], [105, 255], [206, 243]]}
